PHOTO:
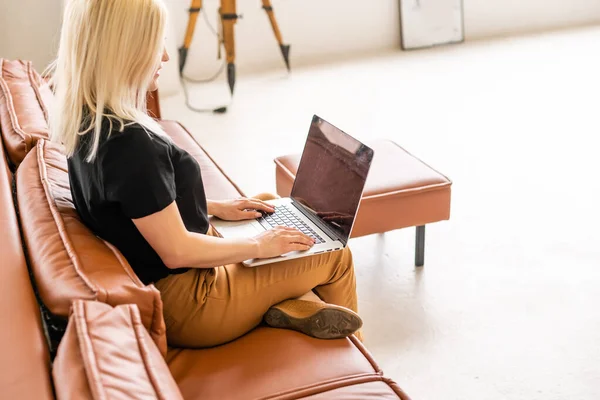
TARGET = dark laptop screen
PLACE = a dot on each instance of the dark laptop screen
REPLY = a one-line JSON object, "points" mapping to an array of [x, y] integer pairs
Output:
{"points": [[331, 175]]}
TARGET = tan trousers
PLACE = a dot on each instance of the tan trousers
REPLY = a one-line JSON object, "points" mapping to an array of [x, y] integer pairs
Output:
{"points": [[208, 307]]}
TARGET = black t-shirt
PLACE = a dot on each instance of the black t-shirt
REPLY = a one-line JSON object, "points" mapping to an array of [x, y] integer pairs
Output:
{"points": [[135, 174]]}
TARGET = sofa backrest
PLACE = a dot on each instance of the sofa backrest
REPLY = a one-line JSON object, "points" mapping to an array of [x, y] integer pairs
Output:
{"points": [[24, 97], [217, 185], [25, 360], [67, 261]]}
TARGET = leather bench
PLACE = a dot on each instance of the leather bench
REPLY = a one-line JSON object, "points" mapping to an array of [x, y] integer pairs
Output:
{"points": [[401, 191]]}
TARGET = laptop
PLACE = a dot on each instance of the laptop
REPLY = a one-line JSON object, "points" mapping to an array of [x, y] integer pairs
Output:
{"points": [[325, 197]]}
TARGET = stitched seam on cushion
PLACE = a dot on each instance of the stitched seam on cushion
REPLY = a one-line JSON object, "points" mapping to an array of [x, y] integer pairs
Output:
{"points": [[417, 158], [123, 263], [87, 353], [213, 161], [396, 388], [407, 191], [401, 191], [302, 394], [410, 191], [36, 89], [136, 280], [354, 379], [157, 310], [154, 325], [363, 350], [62, 232], [144, 351], [10, 106], [286, 170]]}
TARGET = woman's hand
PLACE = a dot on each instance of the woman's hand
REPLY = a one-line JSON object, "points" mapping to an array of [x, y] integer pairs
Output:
{"points": [[281, 240], [238, 209]]}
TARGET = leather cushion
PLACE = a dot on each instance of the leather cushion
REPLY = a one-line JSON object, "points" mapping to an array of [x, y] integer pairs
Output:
{"points": [[25, 362], [107, 354], [217, 184], [24, 96], [400, 191], [67, 260], [271, 363], [377, 389]]}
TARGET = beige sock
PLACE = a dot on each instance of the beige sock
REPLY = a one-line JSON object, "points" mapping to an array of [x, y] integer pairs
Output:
{"points": [[310, 296], [359, 335]]}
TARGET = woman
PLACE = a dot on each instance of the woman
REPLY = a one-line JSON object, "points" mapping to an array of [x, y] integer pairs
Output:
{"points": [[136, 189]]}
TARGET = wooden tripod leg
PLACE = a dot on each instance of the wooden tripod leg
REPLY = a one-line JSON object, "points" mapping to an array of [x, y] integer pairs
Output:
{"points": [[228, 12], [285, 48], [189, 33]]}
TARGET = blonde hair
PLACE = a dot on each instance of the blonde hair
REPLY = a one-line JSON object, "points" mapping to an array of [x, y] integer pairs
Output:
{"points": [[108, 54]]}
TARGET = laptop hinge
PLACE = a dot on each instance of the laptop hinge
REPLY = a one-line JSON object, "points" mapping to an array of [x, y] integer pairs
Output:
{"points": [[333, 235]]}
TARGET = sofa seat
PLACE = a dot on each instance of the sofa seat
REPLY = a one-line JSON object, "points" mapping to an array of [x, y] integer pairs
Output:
{"points": [[272, 363]]}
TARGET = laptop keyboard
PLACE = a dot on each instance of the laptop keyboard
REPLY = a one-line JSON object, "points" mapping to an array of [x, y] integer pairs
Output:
{"points": [[284, 217]]}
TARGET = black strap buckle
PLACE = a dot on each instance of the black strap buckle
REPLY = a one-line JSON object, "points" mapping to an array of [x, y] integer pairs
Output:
{"points": [[230, 16]]}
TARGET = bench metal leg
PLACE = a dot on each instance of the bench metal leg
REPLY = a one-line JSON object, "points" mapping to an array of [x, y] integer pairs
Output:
{"points": [[420, 246]]}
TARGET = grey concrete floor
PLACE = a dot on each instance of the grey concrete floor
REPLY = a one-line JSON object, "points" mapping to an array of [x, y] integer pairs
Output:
{"points": [[508, 303]]}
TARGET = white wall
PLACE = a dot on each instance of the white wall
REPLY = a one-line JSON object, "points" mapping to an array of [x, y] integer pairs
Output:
{"points": [[486, 18], [318, 30], [324, 30], [29, 29]]}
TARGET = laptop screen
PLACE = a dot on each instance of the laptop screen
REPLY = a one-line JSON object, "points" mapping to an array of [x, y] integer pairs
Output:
{"points": [[331, 176]]}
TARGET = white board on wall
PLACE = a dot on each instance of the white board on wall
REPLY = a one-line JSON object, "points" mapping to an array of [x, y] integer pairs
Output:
{"points": [[426, 23]]}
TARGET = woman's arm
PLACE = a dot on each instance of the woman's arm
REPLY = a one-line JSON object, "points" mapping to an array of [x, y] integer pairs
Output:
{"points": [[178, 248], [238, 209]]}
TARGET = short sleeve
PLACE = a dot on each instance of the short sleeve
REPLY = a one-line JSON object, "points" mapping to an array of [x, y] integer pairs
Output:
{"points": [[137, 172]]}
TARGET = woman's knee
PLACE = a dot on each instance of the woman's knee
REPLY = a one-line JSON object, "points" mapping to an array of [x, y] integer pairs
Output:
{"points": [[209, 329], [341, 259], [346, 256], [266, 196]]}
